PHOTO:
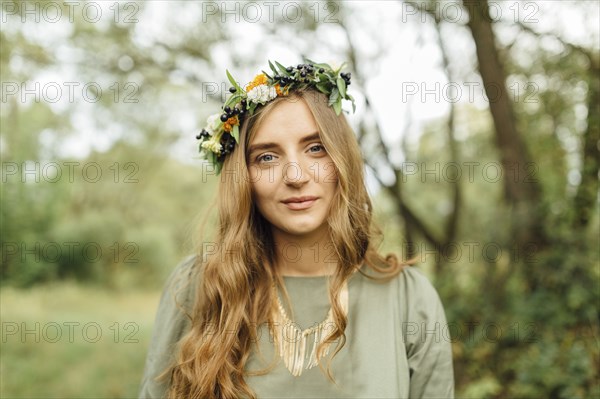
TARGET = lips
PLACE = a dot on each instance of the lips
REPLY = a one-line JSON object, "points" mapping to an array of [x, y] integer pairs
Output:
{"points": [[299, 203], [299, 199]]}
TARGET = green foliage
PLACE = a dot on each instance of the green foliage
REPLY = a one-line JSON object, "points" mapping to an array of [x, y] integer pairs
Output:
{"points": [[534, 309], [75, 364], [94, 231]]}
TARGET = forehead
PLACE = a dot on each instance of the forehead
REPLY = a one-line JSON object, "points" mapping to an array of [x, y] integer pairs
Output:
{"points": [[288, 120]]}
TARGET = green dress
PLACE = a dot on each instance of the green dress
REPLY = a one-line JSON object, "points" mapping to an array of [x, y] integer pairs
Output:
{"points": [[397, 340]]}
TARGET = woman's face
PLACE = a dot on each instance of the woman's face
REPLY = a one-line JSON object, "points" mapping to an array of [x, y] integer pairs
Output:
{"points": [[287, 162]]}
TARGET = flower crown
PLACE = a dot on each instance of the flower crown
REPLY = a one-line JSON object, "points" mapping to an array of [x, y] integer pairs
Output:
{"points": [[221, 133]]}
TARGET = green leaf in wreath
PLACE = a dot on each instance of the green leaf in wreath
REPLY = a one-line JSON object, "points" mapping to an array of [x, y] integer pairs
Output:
{"points": [[337, 71], [267, 75], [323, 87], [211, 157], [318, 65], [282, 69], [334, 96], [272, 68], [232, 81], [234, 99], [337, 106], [341, 84], [235, 133]]}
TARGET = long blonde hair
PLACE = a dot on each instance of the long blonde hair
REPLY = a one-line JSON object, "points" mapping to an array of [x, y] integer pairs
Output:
{"points": [[234, 289]]}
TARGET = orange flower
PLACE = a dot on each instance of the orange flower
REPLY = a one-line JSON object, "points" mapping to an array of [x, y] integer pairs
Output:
{"points": [[260, 79], [280, 91], [228, 125]]}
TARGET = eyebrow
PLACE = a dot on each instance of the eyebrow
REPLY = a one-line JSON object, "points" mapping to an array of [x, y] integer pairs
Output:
{"points": [[266, 146]]}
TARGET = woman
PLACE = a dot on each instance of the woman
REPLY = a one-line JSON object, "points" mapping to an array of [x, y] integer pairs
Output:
{"points": [[293, 279]]}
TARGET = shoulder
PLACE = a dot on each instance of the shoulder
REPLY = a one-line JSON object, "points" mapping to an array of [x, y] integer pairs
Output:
{"points": [[419, 299], [414, 283], [185, 268], [180, 286], [172, 320], [174, 313], [425, 336]]}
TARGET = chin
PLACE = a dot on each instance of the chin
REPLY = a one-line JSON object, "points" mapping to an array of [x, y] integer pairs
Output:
{"points": [[302, 228]]}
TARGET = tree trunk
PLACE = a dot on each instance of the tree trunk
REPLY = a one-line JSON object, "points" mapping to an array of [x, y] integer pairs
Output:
{"points": [[587, 192], [524, 195]]}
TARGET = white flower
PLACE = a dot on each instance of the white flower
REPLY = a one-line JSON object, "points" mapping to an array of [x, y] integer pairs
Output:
{"points": [[261, 94], [212, 123], [212, 145]]}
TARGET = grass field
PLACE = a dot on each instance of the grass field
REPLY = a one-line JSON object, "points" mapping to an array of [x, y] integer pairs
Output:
{"points": [[70, 341]]}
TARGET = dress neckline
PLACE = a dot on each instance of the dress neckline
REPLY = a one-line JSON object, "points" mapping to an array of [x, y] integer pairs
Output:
{"points": [[319, 277], [306, 277]]}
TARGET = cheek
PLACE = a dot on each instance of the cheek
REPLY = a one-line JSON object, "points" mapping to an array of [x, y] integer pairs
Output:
{"points": [[327, 173], [254, 173], [262, 192]]}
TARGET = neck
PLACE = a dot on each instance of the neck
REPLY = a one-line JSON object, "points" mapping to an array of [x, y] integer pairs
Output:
{"points": [[304, 256]]}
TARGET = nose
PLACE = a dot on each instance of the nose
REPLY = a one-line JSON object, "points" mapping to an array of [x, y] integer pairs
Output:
{"points": [[295, 173]]}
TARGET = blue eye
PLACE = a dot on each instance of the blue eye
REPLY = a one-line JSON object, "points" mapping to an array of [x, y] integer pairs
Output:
{"points": [[318, 146], [260, 158]]}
